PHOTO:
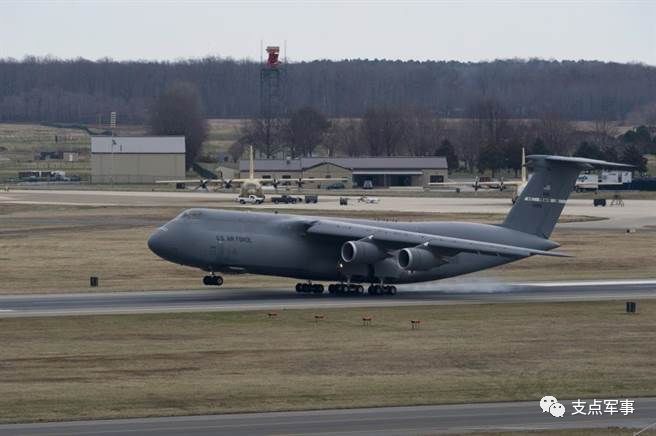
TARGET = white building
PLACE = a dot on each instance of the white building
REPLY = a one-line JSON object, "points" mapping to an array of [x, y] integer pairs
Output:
{"points": [[137, 159]]}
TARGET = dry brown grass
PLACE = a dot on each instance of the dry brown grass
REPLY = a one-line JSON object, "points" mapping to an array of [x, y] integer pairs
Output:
{"points": [[141, 365], [572, 432], [57, 248]]}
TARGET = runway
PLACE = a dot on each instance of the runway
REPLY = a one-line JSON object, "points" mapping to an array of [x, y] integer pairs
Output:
{"points": [[441, 293], [459, 418], [635, 214]]}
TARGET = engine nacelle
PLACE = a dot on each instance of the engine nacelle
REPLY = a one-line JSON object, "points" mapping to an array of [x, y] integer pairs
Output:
{"points": [[361, 252], [418, 259]]}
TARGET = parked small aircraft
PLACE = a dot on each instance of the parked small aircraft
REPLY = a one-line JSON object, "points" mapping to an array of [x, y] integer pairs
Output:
{"points": [[248, 186], [481, 182]]}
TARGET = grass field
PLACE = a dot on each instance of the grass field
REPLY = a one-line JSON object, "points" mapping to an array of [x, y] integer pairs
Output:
{"points": [[142, 365], [19, 142], [573, 432], [57, 248]]}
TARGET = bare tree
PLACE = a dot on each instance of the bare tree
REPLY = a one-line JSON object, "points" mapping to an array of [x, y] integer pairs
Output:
{"points": [[423, 132], [304, 131], [383, 130], [178, 112], [557, 133], [266, 136]]}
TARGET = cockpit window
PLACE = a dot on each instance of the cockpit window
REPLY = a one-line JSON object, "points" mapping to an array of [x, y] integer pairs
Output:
{"points": [[190, 214]]}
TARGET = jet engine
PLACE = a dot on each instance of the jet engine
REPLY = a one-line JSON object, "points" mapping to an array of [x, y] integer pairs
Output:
{"points": [[361, 252], [418, 259]]}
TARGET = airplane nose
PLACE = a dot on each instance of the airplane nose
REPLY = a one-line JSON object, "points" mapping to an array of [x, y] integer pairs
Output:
{"points": [[156, 243]]}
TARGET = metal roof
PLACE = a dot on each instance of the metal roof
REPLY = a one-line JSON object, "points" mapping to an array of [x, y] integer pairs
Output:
{"points": [[137, 144], [353, 163], [271, 165]]}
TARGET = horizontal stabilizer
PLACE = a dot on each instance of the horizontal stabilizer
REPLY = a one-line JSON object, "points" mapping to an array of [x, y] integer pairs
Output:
{"points": [[581, 162]]}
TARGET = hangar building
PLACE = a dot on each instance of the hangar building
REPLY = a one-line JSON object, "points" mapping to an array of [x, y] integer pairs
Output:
{"points": [[137, 159], [381, 171]]}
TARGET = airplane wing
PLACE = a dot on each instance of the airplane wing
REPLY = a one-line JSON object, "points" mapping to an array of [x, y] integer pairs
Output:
{"points": [[472, 182], [396, 239], [450, 183], [190, 181]]}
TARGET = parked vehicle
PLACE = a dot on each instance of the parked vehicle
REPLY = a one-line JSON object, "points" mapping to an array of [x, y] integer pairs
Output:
{"points": [[336, 185], [368, 200], [607, 180], [311, 198], [251, 199], [287, 199], [368, 184]]}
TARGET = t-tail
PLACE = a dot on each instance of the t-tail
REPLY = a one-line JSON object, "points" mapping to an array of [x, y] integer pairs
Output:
{"points": [[541, 202]]}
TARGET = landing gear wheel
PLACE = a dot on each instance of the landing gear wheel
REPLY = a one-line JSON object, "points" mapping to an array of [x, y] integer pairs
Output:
{"points": [[373, 290], [212, 280]]}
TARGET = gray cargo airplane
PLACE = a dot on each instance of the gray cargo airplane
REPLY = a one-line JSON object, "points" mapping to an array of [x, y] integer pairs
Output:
{"points": [[351, 252]]}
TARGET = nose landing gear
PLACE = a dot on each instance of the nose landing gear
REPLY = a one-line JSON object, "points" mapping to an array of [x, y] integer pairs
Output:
{"points": [[212, 280]]}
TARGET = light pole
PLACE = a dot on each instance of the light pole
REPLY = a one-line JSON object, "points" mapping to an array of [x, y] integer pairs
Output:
{"points": [[112, 126]]}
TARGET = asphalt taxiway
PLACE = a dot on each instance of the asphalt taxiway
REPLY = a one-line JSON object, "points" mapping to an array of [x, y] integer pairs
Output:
{"points": [[457, 418], [635, 214], [237, 299]]}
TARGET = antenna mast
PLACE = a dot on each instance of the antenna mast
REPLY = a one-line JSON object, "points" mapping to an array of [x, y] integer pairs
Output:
{"points": [[252, 164]]}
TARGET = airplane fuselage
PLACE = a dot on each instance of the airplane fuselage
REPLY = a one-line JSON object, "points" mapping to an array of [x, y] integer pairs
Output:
{"points": [[277, 244]]}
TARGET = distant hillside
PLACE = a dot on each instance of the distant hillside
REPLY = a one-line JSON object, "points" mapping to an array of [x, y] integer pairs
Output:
{"points": [[80, 90]]}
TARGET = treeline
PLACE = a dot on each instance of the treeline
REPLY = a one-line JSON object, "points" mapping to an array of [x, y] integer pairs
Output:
{"points": [[489, 140], [45, 89]]}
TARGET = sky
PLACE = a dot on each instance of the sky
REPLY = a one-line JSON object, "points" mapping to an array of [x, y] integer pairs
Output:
{"points": [[420, 30]]}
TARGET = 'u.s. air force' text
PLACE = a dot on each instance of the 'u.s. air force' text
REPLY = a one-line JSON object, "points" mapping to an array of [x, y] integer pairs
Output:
{"points": [[233, 238]]}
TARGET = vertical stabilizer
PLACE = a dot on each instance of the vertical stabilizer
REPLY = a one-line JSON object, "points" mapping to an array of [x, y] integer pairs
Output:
{"points": [[541, 202]]}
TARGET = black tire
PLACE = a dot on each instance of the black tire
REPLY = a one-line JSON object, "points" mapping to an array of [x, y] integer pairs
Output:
{"points": [[219, 281], [298, 287]]}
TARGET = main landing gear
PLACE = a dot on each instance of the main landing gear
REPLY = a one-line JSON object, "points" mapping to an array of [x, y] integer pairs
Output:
{"points": [[212, 280], [353, 289], [381, 290], [309, 288], [344, 289]]}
